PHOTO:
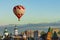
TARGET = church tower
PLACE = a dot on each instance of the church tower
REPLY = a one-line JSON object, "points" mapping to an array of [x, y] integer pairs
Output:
{"points": [[6, 33], [15, 31]]}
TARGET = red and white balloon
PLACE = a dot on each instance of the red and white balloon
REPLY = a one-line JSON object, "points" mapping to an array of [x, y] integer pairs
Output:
{"points": [[19, 11]]}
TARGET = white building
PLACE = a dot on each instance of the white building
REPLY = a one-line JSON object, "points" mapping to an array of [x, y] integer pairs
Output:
{"points": [[24, 36], [15, 31]]}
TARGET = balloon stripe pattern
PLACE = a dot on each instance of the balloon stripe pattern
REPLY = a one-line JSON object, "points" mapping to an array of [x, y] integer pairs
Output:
{"points": [[19, 11]]}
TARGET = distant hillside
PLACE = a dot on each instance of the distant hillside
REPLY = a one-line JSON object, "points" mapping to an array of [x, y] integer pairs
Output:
{"points": [[33, 25], [21, 28]]}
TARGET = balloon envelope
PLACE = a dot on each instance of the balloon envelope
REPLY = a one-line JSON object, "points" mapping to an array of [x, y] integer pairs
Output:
{"points": [[19, 11]]}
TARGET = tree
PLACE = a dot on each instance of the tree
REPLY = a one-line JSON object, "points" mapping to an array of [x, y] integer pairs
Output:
{"points": [[0, 37], [42, 33], [59, 32]]}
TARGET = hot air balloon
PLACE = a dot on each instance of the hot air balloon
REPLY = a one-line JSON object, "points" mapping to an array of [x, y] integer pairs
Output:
{"points": [[19, 11]]}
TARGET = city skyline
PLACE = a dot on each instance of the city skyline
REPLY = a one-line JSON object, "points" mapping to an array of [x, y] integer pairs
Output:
{"points": [[36, 11]]}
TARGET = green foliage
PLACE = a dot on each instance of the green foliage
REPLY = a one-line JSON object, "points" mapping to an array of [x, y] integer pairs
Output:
{"points": [[59, 32], [42, 33], [0, 37]]}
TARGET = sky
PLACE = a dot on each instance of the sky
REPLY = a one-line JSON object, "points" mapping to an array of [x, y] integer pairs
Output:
{"points": [[36, 11]]}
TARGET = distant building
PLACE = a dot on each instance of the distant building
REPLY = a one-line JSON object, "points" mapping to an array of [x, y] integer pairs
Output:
{"points": [[36, 35], [29, 33], [56, 30], [15, 31], [24, 37], [6, 35], [54, 36], [16, 35], [49, 34]]}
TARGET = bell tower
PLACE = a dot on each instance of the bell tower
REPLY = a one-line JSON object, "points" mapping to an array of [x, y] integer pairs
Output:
{"points": [[15, 31], [6, 32]]}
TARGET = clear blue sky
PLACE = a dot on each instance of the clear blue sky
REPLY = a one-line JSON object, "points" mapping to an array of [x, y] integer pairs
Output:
{"points": [[37, 11]]}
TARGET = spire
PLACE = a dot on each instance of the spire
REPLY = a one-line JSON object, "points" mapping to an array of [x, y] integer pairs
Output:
{"points": [[49, 34], [50, 29], [15, 28]]}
